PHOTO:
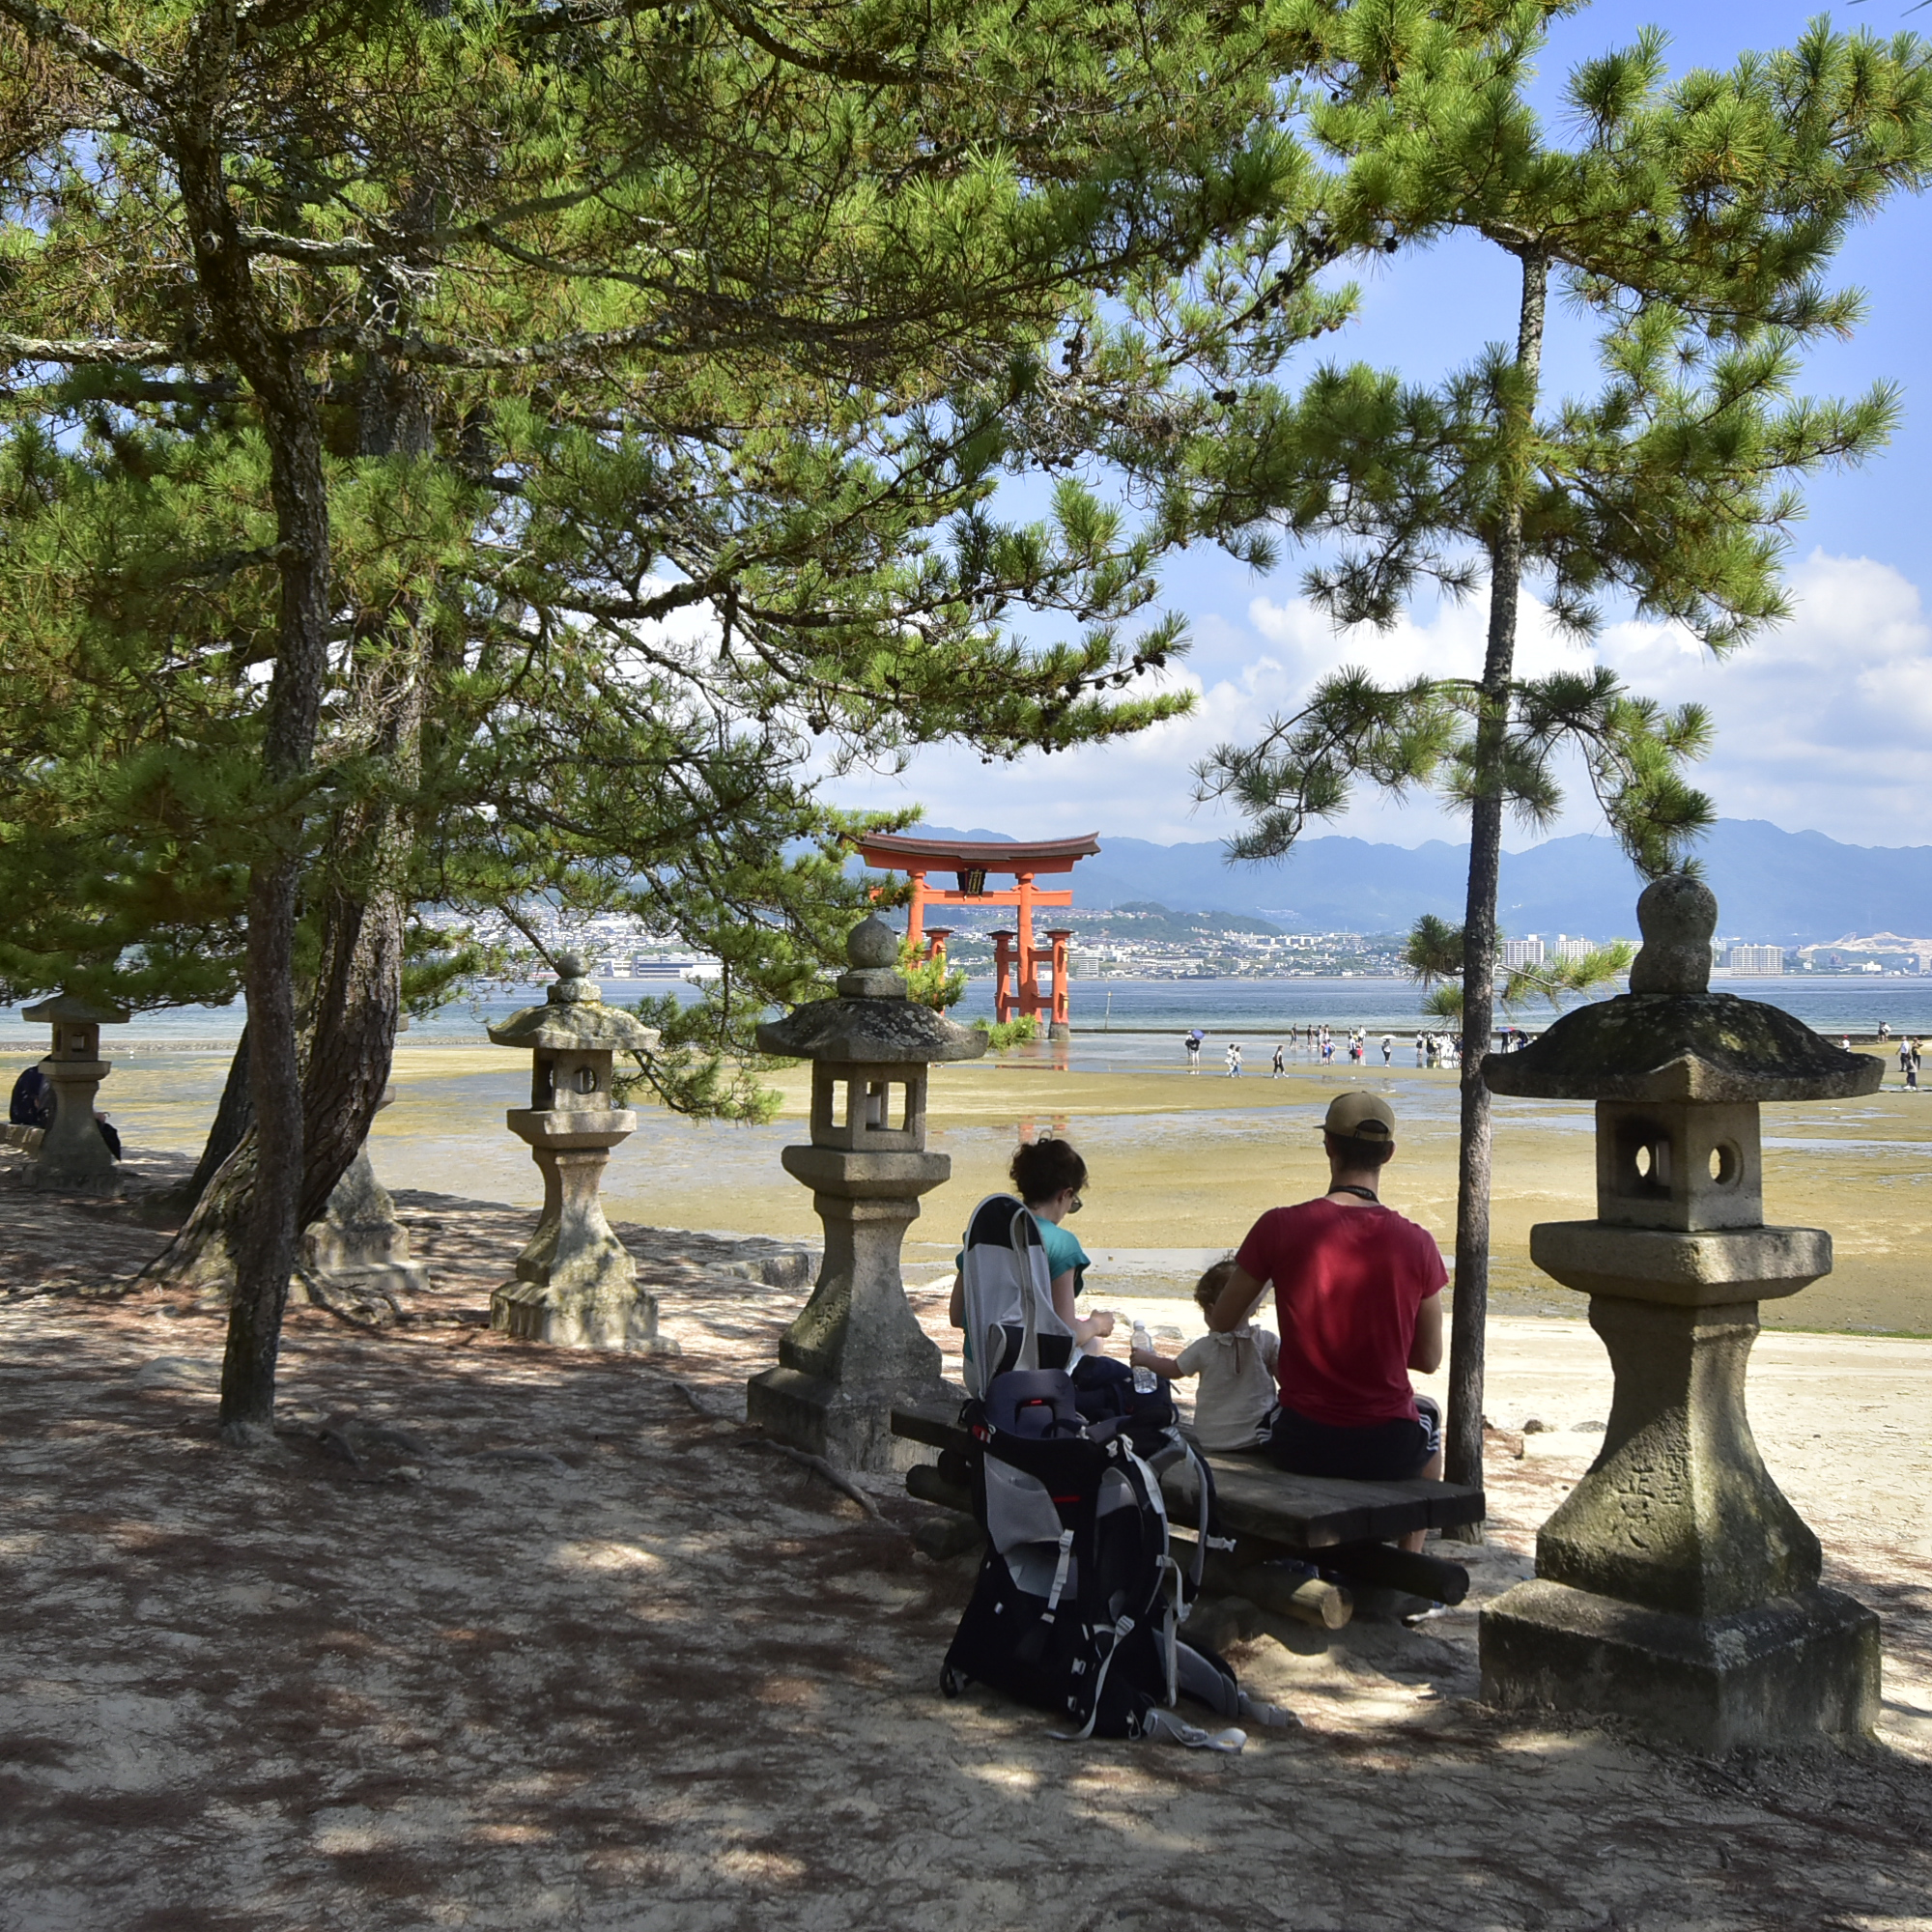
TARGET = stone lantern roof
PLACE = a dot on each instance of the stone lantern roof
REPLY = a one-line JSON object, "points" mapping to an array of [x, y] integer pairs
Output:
{"points": [[574, 1018], [70, 1006], [1670, 1038], [870, 1021]]}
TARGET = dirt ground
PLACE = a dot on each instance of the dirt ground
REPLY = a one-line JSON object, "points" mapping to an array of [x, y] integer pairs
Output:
{"points": [[503, 1636]]}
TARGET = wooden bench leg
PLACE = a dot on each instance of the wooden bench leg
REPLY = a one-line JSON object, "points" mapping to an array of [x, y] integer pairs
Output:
{"points": [[1397, 1569], [1281, 1592], [931, 1486]]}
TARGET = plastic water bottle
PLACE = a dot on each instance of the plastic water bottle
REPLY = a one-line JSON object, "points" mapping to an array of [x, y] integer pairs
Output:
{"points": [[1145, 1381]]}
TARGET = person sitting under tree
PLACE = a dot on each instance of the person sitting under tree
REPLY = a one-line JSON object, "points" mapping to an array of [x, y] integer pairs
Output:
{"points": [[32, 1101], [1358, 1297], [1236, 1397], [1048, 1175]]}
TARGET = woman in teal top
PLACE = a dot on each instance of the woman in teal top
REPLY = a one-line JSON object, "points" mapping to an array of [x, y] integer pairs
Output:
{"points": [[1048, 1175]]}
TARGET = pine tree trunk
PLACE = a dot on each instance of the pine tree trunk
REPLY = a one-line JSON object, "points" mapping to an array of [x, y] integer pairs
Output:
{"points": [[1463, 1460], [264, 1247], [233, 1118], [202, 1258], [314, 1093], [243, 321], [359, 1005], [360, 991]]}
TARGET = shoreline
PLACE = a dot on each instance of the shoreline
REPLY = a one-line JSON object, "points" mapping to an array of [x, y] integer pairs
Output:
{"points": [[1181, 1166]]}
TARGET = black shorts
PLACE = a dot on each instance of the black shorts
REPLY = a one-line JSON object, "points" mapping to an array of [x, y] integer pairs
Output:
{"points": [[1380, 1452]]}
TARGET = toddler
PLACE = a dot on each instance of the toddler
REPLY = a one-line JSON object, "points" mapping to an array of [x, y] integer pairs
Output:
{"points": [[1236, 1392]]}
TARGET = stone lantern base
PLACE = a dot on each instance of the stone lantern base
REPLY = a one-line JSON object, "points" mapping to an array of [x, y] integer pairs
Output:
{"points": [[849, 1425], [576, 1285], [1773, 1674], [856, 1349], [358, 1248], [74, 1158]]}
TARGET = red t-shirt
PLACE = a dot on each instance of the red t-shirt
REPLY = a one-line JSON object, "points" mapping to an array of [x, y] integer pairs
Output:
{"points": [[1348, 1282]]}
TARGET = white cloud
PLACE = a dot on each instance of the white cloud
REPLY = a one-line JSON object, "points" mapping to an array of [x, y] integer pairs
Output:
{"points": [[1823, 725]]}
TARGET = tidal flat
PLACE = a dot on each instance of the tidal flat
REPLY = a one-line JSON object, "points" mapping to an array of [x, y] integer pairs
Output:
{"points": [[1181, 1165]]}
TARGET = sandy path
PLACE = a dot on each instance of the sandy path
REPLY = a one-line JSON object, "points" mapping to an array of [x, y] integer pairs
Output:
{"points": [[565, 1653]]}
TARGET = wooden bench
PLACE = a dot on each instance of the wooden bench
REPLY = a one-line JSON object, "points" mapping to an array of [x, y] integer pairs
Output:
{"points": [[1346, 1527]]}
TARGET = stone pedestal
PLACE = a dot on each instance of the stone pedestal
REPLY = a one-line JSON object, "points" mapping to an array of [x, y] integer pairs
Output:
{"points": [[72, 1154], [576, 1284], [1678, 1513], [358, 1249], [1675, 1585], [1777, 1673], [856, 1347]]}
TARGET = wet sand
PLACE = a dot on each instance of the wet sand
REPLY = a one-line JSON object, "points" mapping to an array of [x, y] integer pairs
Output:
{"points": [[1181, 1166]]}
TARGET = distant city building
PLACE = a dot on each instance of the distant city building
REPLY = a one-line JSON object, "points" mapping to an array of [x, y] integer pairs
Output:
{"points": [[1569, 947], [1521, 952], [1756, 961]]}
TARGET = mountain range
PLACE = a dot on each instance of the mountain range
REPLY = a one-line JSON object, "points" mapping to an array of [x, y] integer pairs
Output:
{"points": [[1774, 887]]}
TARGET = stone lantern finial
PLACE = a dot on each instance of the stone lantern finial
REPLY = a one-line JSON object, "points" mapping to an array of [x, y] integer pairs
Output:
{"points": [[872, 942], [872, 951], [1677, 916], [856, 1348]]}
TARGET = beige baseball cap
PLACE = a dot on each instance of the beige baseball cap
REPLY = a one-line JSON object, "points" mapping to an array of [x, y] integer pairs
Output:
{"points": [[1359, 1117]]}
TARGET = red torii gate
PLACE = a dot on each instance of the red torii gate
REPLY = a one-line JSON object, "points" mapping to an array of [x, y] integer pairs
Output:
{"points": [[969, 861]]}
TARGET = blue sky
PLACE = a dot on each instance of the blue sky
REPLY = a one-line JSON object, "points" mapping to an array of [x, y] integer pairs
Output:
{"points": [[1822, 725]]}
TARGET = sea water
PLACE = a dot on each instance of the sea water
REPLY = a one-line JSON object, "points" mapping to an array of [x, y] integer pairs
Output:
{"points": [[1139, 1021]]}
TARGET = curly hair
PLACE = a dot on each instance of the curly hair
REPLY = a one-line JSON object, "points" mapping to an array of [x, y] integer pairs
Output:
{"points": [[1208, 1290]]}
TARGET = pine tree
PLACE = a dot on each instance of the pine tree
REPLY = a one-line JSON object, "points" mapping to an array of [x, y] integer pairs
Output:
{"points": [[477, 347], [1694, 220]]}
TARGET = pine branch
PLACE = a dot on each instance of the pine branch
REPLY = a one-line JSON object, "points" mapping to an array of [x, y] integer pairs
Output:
{"points": [[51, 29]]}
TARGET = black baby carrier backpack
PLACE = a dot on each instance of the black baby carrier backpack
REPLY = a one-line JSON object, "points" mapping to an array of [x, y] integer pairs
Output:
{"points": [[1078, 1604]]}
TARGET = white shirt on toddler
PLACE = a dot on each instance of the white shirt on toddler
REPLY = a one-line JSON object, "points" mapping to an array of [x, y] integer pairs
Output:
{"points": [[1236, 1388]]}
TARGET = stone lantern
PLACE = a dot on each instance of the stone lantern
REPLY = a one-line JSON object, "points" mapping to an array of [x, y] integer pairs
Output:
{"points": [[1675, 1585], [72, 1154], [576, 1283], [856, 1348]]}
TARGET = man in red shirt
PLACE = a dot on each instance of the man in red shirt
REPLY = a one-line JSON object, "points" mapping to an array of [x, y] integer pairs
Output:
{"points": [[1358, 1295]]}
